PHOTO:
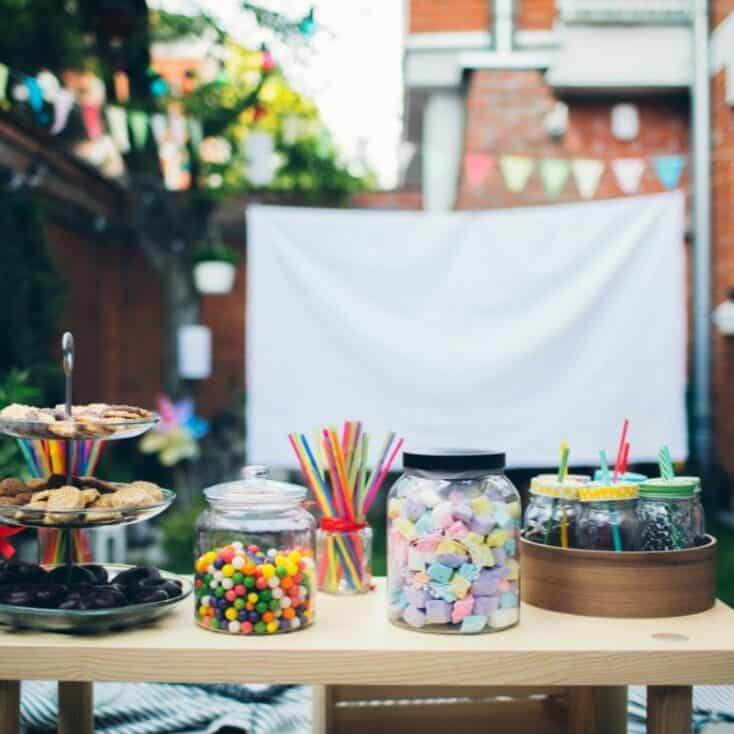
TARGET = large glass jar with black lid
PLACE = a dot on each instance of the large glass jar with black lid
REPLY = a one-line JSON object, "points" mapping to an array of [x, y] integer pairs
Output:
{"points": [[453, 543]]}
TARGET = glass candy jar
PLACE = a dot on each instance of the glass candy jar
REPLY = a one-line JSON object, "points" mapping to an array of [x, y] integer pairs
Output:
{"points": [[453, 543], [552, 511], [666, 513], [254, 569], [699, 517], [608, 516]]}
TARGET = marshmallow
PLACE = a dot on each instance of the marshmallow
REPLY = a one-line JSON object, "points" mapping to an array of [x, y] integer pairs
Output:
{"points": [[414, 617], [485, 605], [504, 618], [473, 623], [481, 505], [462, 608], [439, 572], [438, 612]]}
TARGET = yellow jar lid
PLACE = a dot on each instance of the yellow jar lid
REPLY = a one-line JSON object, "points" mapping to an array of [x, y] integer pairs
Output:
{"points": [[547, 485], [599, 491]]}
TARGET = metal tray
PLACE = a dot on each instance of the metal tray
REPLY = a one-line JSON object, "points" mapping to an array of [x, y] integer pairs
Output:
{"points": [[92, 621], [79, 519], [88, 429]]}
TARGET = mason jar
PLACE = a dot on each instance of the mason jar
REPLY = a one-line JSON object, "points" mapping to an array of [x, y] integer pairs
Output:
{"points": [[254, 568], [666, 514], [608, 516], [699, 516], [453, 542], [552, 512]]}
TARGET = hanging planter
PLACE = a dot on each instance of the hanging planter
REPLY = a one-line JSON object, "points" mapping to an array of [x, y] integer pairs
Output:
{"points": [[215, 270]]}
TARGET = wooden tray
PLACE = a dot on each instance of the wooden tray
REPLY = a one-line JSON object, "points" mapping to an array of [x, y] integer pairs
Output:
{"points": [[629, 584]]}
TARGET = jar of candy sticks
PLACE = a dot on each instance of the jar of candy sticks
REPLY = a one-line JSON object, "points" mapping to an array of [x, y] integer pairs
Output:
{"points": [[254, 558], [453, 537]]}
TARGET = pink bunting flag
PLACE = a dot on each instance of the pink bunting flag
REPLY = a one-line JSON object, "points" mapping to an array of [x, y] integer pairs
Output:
{"points": [[63, 102], [92, 121], [476, 167]]}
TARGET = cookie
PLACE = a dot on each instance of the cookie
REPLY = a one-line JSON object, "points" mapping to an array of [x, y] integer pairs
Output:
{"points": [[14, 412], [37, 484], [12, 486], [87, 482], [129, 496], [42, 496], [64, 498], [89, 496], [152, 490], [64, 429]]}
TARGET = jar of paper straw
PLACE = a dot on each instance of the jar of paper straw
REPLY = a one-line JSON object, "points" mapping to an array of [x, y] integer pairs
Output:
{"points": [[344, 556]]}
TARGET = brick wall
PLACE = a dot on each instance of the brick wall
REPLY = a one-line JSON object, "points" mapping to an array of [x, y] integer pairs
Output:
{"points": [[505, 112], [719, 10], [432, 16], [535, 14], [722, 187]]}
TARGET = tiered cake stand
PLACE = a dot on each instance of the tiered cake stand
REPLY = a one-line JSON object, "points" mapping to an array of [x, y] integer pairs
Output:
{"points": [[68, 522]]}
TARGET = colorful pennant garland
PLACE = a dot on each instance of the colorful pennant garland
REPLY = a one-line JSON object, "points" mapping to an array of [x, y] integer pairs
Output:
{"points": [[63, 103], [117, 124], [554, 173], [668, 169], [628, 173], [477, 167], [587, 173], [516, 170]]}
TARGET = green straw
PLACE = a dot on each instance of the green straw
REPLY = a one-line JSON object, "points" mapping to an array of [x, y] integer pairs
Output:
{"points": [[614, 520], [665, 463], [562, 467]]}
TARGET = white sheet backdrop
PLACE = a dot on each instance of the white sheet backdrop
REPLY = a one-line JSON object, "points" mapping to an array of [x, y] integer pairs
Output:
{"points": [[513, 329]]}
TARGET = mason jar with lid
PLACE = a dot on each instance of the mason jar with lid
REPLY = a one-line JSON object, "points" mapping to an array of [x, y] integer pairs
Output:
{"points": [[608, 516], [666, 513], [552, 511], [699, 516], [254, 557], [453, 543]]}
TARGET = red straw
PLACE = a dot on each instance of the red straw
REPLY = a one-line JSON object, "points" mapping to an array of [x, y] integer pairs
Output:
{"points": [[620, 450], [381, 478], [625, 457]]}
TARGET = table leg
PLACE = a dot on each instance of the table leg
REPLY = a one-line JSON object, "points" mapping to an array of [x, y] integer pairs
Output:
{"points": [[76, 708], [597, 710], [323, 710], [669, 709], [9, 707]]}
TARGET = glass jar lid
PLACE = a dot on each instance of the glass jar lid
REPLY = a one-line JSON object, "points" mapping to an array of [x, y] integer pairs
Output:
{"points": [[609, 491], [453, 460], [547, 485], [673, 488], [628, 476], [255, 492]]}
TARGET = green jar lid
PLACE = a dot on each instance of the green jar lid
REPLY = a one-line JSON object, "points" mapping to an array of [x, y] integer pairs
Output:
{"points": [[674, 488]]}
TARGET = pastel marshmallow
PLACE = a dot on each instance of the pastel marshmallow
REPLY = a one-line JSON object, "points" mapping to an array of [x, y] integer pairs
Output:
{"points": [[462, 608], [394, 507], [405, 527], [469, 571], [457, 530], [508, 600], [514, 570], [500, 557], [439, 572], [482, 524], [460, 586], [442, 591], [414, 617], [429, 497], [514, 510], [511, 547], [413, 509], [425, 524], [497, 538], [473, 623], [481, 505], [452, 560], [416, 559], [504, 618], [438, 612], [485, 584], [416, 597], [485, 605], [462, 512]]}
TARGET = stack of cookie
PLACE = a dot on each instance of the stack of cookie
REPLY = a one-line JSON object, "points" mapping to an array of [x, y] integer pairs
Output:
{"points": [[86, 498]]}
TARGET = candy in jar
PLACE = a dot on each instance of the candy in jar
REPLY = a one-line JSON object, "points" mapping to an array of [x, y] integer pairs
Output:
{"points": [[552, 511], [453, 543], [608, 516], [254, 558], [666, 513]]}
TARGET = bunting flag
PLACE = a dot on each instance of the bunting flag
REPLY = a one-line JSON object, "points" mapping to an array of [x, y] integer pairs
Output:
{"points": [[628, 173], [3, 80], [554, 173], [92, 120], [117, 124], [35, 97], [63, 102], [159, 126], [587, 173], [139, 127], [668, 169], [476, 167], [516, 170]]}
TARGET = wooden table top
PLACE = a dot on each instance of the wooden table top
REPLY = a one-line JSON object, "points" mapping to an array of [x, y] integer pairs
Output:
{"points": [[352, 643]]}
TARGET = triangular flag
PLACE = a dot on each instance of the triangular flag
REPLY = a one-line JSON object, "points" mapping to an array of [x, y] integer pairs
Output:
{"points": [[554, 173], [117, 123], [668, 169], [92, 121], [516, 170], [587, 173], [476, 167], [196, 132], [3, 80], [139, 126], [159, 126], [63, 102], [628, 173]]}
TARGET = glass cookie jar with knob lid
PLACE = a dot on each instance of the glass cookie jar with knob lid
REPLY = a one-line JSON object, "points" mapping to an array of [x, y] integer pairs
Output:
{"points": [[453, 543], [254, 568]]}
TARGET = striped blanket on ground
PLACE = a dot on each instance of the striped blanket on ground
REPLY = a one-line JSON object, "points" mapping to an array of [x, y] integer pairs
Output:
{"points": [[159, 708]]}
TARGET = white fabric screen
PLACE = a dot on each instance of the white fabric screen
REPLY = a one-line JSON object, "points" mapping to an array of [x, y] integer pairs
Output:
{"points": [[511, 329]]}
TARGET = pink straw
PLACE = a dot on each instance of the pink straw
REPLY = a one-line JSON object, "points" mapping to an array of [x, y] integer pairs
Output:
{"points": [[377, 483], [620, 450], [625, 457]]}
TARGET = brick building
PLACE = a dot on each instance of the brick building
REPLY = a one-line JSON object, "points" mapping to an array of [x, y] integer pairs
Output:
{"points": [[484, 79]]}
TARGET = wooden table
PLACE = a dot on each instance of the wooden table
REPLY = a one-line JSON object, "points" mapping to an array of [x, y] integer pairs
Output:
{"points": [[353, 645]]}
